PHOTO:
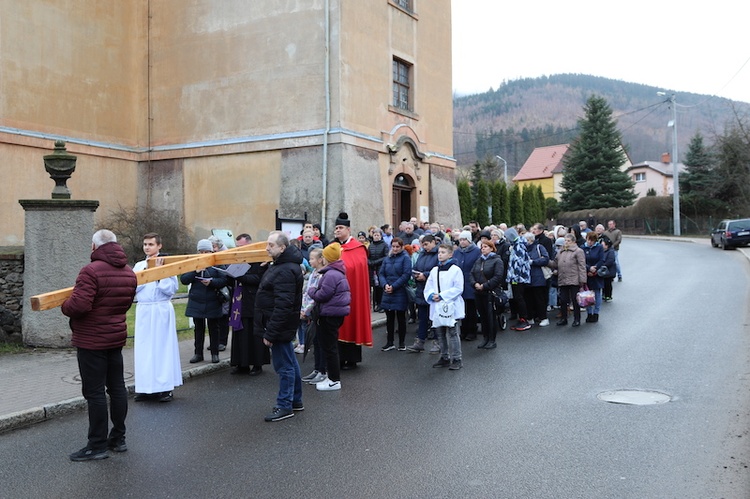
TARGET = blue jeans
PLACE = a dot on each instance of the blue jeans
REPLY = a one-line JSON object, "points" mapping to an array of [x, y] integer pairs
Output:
{"points": [[290, 379], [301, 332], [102, 369], [450, 342], [552, 301], [617, 263], [423, 313], [598, 304]]}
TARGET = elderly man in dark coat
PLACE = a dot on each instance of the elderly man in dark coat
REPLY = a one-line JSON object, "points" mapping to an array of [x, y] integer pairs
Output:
{"points": [[103, 293]]}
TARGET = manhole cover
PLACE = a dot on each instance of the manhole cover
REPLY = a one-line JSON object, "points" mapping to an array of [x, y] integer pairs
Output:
{"points": [[75, 379], [634, 397]]}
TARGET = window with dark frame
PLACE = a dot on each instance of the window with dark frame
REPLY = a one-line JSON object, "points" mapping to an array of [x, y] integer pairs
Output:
{"points": [[404, 4], [401, 71]]}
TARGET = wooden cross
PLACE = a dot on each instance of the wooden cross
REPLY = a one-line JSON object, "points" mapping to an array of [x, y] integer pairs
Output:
{"points": [[173, 265]]}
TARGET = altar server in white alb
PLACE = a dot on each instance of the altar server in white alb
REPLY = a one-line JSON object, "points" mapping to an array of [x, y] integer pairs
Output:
{"points": [[443, 291], [156, 353]]}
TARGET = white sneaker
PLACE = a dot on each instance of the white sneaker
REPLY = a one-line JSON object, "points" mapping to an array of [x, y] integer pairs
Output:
{"points": [[310, 376], [544, 322], [328, 386], [318, 378], [299, 349], [531, 321]]}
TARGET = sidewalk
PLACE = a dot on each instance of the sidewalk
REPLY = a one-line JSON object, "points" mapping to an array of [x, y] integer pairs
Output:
{"points": [[40, 385]]}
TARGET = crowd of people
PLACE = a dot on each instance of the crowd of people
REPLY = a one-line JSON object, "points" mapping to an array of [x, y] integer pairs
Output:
{"points": [[540, 270], [319, 295]]}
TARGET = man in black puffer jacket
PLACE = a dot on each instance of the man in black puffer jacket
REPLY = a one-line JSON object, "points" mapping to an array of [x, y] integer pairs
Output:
{"points": [[277, 307], [103, 293]]}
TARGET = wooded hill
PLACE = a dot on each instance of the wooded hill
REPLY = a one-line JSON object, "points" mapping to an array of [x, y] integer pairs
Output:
{"points": [[534, 112]]}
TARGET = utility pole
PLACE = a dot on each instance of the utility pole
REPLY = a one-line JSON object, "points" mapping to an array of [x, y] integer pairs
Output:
{"points": [[675, 170]]}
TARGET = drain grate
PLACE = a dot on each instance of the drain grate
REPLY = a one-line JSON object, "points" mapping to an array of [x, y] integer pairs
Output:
{"points": [[634, 397]]}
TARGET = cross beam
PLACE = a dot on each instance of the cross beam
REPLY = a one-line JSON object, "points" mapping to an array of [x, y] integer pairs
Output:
{"points": [[173, 265]]}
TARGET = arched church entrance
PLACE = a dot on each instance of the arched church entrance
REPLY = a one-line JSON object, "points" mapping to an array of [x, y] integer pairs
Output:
{"points": [[403, 200]]}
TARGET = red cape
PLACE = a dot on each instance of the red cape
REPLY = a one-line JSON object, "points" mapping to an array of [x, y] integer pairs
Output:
{"points": [[357, 326]]}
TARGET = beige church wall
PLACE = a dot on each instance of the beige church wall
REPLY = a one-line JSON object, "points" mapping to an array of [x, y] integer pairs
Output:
{"points": [[354, 187], [74, 69], [237, 192], [424, 41], [444, 206], [236, 69], [111, 181]]}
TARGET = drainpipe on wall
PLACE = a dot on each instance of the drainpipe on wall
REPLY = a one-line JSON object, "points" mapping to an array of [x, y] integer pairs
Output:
{"points": [[328, 117]]}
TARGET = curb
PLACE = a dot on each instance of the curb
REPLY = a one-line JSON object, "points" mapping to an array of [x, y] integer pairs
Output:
{"points": [[35, 415]]}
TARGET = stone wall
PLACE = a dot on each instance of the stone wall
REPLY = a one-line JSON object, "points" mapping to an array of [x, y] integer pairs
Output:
{"points": [[11, 293]]}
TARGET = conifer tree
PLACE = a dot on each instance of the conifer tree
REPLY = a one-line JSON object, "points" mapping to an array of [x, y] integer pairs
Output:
{"points": [[699, 182], [464, 201], [483, 204], [591, 176], [528, 199], [733, 169], [541, 205], [515, 214], [500, 202]]}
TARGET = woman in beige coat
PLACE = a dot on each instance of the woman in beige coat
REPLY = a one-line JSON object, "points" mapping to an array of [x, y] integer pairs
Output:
{"points": [[570, 263]]}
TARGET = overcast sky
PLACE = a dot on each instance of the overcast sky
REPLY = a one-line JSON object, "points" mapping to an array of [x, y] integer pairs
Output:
{"points": [[701, 47]]}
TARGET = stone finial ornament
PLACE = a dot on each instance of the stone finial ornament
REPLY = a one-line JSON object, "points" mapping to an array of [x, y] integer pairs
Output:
{"points": [[60, 165]]}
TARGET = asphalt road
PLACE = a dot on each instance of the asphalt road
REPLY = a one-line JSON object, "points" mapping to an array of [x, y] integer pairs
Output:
{"points": [[521, 421]]}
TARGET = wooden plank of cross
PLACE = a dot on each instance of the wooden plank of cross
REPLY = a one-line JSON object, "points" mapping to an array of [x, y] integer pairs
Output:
{"points": [[174, 265]]}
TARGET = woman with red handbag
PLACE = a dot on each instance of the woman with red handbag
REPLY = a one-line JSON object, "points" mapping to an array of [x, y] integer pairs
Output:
{"points": [[570, 262]]}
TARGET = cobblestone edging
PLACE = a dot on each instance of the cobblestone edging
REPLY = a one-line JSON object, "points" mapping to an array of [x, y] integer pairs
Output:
{"points": [[11, 293]]}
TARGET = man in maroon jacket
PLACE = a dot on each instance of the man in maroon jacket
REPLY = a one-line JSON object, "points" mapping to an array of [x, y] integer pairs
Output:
{"points": [[103, 293]]}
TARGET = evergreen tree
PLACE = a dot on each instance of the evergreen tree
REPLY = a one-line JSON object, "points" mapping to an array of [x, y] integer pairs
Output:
{"points": [[499, 202], [515, 214], [541, 205], [699, 182], [464, 201], [733, 169], [528, 199], [553, 208], [476, 176], [591, 176], [483, 204]]}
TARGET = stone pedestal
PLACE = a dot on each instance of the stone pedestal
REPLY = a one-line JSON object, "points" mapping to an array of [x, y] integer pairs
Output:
{"points": [[57, 244]]}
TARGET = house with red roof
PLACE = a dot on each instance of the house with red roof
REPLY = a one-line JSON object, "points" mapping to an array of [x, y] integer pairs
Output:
{"points": [[544, 167]]}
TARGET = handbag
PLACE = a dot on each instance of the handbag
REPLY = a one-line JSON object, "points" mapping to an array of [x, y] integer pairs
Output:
{"points": [[444, 311], [499, 301], [603, 271], [546, 271], [585, 297], [223, 294], [411, 291]]}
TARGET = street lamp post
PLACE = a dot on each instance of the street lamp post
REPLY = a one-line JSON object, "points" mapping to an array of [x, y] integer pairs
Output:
{"points": [[505, 169], [675, 170]]}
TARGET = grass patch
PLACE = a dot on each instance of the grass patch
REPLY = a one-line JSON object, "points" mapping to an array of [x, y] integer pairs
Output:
{"points": [[11, 348], [184, 331]]}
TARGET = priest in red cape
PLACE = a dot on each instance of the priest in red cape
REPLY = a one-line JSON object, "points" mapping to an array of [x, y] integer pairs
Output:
{"points": [[357, 327]]}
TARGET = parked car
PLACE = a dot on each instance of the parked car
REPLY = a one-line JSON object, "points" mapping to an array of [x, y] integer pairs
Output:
{"points": [[731, 233]]}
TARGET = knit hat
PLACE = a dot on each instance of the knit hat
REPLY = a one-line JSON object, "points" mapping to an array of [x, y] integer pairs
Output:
{"points": [[465, 235], [560, 241], [332, 252], [205, 245], [486, 234], [343, 219]]}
